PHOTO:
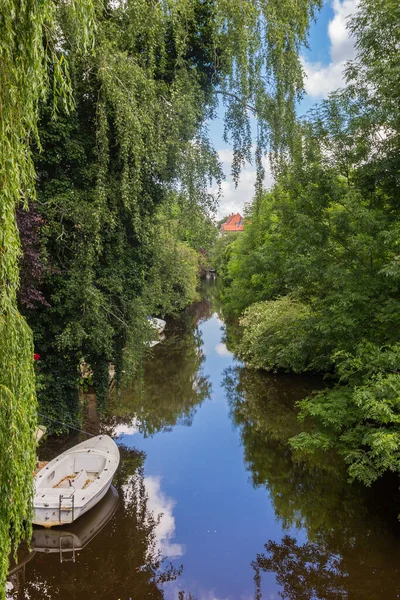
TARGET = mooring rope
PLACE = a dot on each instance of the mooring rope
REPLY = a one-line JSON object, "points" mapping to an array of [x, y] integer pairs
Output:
{"points": [[66, 424]]}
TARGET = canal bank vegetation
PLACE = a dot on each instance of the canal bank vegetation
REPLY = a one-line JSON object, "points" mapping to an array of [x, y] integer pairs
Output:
{"points": [[315, 275]]}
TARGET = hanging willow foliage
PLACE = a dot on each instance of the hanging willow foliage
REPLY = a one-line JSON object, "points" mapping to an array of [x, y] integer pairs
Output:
{"points": [[161, 68], [158, 71], [28, 62], [258, 43]]}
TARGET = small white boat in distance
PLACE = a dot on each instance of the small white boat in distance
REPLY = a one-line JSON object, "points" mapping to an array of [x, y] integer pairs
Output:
{"points": [[71, 484], [157, 324]]}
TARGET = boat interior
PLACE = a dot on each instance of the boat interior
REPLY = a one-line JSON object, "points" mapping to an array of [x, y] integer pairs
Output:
{"points": [[76, 471]]}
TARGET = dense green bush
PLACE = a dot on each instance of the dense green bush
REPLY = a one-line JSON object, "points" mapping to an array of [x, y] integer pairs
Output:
{"points": [[272, 333], [277, 334]]}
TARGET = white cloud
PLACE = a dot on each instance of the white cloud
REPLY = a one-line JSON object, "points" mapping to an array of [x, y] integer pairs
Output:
{"points": [[222, 350], [232, 199], [160, 507], [323, 79], [205, 595], [342, 45]]}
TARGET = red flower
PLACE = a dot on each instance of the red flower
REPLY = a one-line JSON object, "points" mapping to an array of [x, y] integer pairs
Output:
{"points": [[36, 357]]}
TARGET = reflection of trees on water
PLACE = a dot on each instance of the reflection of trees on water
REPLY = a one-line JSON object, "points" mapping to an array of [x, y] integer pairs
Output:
{"points": [[210, 302], [305, 571], [364, 568], [353, 547], [122, 561], [173, 385], [263, 405]]}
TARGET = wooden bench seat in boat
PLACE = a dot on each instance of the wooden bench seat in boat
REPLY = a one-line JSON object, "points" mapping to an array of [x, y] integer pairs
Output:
{"points": [[78, 482]]}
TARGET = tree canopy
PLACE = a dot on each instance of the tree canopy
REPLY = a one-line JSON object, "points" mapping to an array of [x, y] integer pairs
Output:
{"points": [[316, 269]]}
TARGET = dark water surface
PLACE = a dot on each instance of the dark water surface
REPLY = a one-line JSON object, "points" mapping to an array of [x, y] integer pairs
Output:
{"points": [[209, 501]]}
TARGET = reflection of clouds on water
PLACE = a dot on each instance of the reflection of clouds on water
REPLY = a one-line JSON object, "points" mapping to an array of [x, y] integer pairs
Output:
{"points": [[165, 530], [172, 589], [216, 317], [160, 507], [127, 429], [201, 595], [222, 350]]}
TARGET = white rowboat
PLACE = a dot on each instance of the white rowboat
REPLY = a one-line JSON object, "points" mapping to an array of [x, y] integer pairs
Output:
{"points": [[71, 484]]}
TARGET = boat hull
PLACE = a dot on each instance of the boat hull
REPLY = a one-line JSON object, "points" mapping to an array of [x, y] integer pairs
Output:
{"points": [[80, 533], [50, 517], [60, 505]]}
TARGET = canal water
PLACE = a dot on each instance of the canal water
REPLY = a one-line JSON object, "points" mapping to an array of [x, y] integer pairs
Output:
{"points": [[209, 501]]}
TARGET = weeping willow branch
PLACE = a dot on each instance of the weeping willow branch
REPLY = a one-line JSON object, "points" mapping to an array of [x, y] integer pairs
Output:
{"points": [[241, 101], [26, 34]]}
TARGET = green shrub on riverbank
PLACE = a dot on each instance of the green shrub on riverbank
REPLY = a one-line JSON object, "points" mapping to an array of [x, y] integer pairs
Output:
{"points": [[274, 336]]}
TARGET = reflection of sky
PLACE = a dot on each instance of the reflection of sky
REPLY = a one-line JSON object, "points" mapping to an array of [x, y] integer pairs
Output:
{"points": [[161, 505], [126, 429], [220, 519], [172, 590]]}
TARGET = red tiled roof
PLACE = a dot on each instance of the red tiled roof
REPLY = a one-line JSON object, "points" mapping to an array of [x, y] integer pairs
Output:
{"points": [[233, 223]]}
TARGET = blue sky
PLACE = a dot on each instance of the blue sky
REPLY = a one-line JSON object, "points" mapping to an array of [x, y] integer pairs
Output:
{"points": [[329, 48]]}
